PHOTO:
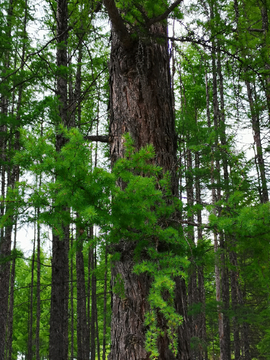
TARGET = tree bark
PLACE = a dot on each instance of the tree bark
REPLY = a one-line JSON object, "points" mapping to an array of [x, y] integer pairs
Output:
{"points": [[141, 104], [82, 345], [11, 299], [256, 127], [5, 234], [30, 331], [38, 313], [105, 306], [224, 239], [58, 341], [93, 305], [201, 324]]}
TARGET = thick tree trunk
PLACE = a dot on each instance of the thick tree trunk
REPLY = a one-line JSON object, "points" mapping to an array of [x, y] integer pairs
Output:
{"points": [[141, 104]]}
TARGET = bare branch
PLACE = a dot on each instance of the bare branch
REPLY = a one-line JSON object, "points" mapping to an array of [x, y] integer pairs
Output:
{"points": [[100, 138], [256, 30]]}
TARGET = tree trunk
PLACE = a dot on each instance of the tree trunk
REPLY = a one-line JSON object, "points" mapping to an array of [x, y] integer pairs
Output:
{"points": [[38, 313], [71, 289], [30, 332], [192, 277], [141, 104], [11, 299], [82, 346], [105, 306], [224, 237], [93, 306], [58, 342], [235, 305], [256, 127], [201, 326], [5, 234]]}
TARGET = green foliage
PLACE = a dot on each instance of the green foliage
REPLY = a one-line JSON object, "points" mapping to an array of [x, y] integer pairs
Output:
{"points": [[142, 211], [70, 181], [22, 305], [14, 254], [138, 13]]}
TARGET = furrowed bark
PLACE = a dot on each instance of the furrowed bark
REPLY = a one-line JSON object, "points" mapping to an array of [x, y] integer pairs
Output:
{"points": [[141, 104]]}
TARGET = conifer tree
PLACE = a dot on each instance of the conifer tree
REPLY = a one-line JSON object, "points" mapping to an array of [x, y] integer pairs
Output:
{"points": [[141, 104]]}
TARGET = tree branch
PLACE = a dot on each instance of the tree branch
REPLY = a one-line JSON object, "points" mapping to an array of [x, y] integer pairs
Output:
{"points": [[100, 138], [165, 14], [256, 30], [118, 23]]}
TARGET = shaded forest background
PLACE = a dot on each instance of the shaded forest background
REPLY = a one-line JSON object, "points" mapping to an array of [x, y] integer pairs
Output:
{"points": [[56, 175]]}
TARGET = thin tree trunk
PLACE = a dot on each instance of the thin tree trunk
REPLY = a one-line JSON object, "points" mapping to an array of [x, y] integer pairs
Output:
{"points": [[81, 304], [255, 121], [89, 330], [58, 341], [38, 283], [223, 237], [72, 304], [214, 200], [93, 305], [5, 240], [235, 305], [11, 298], [192, 279], [237, 297], [201, 327], [105, 307], [96, 315], [30, 331]]}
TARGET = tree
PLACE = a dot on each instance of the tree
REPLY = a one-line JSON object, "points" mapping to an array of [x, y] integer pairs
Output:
{"points": [[141, 104]]}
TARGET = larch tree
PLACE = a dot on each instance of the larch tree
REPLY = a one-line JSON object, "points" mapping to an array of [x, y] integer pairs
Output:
{"points": [[141, 104], [58, 344]]}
